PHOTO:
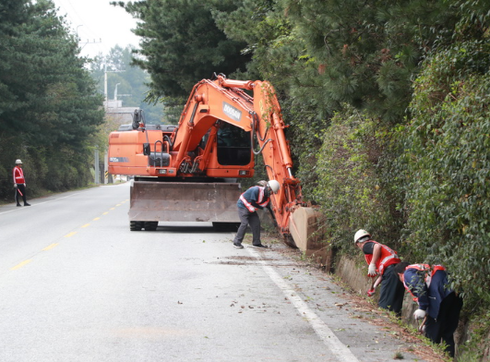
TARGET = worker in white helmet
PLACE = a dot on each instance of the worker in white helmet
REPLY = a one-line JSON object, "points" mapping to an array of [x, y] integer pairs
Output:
{"points": [[19, 183], [256, 197], [381, 262]]}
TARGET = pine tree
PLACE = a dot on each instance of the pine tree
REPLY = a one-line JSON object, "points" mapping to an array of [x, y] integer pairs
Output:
{"points": [[49, 106], [181, 43]]}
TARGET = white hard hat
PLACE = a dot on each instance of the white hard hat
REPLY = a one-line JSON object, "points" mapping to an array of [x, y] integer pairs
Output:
{"points": [[360, 234], [18, 162], [274, 185]]}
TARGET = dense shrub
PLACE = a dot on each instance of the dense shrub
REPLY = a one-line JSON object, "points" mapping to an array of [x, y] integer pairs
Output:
{"points": [[351, 180], [447, 166]]}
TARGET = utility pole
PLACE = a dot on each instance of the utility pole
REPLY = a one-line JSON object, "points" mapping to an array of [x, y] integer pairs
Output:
{"points": [[96, 165], [105, 84], [115, 93]]}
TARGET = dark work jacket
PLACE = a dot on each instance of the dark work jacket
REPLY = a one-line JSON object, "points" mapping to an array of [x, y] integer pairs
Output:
{"points": [[256, 197], [428, 287]]}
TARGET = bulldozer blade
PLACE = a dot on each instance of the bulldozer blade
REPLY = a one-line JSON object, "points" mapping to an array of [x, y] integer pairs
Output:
{"points": [[184, 201], [303, 226]]}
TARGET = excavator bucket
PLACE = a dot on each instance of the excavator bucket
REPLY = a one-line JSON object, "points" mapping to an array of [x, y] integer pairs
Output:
{"points": [[184, 201], [304, 228]]}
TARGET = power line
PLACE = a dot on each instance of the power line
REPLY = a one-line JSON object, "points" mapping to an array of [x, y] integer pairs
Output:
{"points": [[94, 37], [69, 9]]}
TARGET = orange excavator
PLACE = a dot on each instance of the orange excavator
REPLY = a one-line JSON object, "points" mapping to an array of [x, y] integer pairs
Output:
{"points": [[189, 172]]}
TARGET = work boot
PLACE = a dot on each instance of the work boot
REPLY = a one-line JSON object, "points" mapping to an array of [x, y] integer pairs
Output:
{"points": [[260, 246], [26, 204]]}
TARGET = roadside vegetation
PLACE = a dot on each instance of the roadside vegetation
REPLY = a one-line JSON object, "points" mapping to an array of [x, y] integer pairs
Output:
{"points": [[49, 107], [387, 104]]}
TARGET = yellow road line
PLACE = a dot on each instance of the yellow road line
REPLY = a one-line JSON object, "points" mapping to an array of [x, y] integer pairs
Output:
{"points": [[50, 246], [112, 208], [21, 264]]}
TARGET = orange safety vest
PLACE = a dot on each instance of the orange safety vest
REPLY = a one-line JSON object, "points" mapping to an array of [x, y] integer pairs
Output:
{"points": [[428, 276], [388, 257], [261, 199]]}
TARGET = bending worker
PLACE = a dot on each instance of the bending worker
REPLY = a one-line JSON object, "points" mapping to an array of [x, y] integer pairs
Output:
{"points": [[381, 261], [19, 183], [256, 197], [439, 305]]}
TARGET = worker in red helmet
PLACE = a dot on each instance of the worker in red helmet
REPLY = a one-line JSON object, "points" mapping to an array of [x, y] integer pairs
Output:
{"points": [[256, 197], [19, 183], [439, 305], [381, 261]]}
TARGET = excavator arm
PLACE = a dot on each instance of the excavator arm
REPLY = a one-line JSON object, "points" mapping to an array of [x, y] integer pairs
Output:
{"points": [[260, 115]]}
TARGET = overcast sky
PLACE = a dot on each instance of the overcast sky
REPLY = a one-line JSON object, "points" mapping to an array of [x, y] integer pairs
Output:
{"points": [[99, 25]]}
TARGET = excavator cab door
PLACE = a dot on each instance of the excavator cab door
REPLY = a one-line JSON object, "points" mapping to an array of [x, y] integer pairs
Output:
{"points": [[233, 146]]}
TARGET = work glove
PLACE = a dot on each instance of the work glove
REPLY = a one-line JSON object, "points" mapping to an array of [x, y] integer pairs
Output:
{"points": [[15, 185], [419, 314], [372, 270], [25, 185], [370, 292]]}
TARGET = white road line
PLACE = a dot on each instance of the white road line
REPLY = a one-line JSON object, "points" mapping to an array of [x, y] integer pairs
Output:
{"points": [[58, 198], [341, 351], [37, 203]]}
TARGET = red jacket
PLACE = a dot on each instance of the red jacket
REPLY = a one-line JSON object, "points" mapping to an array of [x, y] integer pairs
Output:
{"points": [[18, 175]]}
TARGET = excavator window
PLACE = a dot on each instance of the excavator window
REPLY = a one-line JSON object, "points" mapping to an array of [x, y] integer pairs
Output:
{"points": [[234, 146], [146, 149]]}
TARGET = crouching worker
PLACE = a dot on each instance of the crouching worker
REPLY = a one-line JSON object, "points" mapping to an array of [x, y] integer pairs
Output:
{"points": [[381, 261], [439, 306], [256, 197]]}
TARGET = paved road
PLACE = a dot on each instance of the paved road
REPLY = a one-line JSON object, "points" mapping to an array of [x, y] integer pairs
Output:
{"points": [[77, 285]]}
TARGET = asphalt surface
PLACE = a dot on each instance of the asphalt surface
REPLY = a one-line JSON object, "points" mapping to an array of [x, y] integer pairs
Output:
{"points": [[77, 285]]}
